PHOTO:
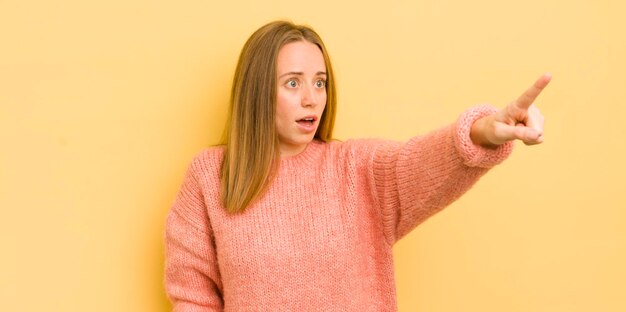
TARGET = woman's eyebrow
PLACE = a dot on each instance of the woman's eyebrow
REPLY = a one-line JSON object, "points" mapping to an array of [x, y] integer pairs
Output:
{"points": [[319, 73]]}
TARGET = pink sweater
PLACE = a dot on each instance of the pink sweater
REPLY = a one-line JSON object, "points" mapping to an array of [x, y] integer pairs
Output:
{"points": [[321, 238]]}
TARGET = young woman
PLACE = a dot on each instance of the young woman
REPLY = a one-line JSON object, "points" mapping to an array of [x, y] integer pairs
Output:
{"points": [[283, 218]]}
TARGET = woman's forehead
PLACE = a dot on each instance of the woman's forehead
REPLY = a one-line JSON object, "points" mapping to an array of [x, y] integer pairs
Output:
{"points": [[302, 57]]}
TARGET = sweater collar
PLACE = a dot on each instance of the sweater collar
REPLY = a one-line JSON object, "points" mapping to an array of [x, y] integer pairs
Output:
{"points": [[307, 157]]}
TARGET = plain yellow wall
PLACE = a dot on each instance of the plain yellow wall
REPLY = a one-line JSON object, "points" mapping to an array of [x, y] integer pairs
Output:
{"points": [[103, 104]]}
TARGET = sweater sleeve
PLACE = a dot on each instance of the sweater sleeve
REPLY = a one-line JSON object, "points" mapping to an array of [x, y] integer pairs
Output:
{"points": [[192, 278], [417, 179]]}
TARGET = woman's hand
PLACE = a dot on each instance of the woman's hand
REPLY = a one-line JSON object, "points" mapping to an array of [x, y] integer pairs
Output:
{"points": [[519, 120]]}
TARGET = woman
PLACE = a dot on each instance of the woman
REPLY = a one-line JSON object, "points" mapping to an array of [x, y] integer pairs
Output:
{"points": [[282, 218]]}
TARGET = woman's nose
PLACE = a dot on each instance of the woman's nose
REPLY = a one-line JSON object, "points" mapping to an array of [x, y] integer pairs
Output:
{"points": [[309, 98]]}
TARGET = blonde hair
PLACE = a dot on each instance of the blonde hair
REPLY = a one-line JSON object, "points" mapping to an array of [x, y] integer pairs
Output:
{"points": [[252, 152]]}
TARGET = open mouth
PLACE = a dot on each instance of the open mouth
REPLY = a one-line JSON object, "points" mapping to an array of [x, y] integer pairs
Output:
{"points": [[307, 121]]}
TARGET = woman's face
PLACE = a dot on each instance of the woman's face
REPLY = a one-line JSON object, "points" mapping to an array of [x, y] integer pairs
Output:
{"points": [[301, 95]]}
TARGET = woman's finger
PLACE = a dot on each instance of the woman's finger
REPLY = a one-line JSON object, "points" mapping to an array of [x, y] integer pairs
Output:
{"points": [[535, 120], [528, 135], [528, 97], [505, 133]]}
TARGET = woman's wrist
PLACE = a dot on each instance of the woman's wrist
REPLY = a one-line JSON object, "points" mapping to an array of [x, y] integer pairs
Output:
{"points": [[479, 130]]}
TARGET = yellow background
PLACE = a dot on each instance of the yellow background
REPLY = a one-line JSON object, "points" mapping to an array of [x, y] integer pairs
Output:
{"points": [[103, 104]]}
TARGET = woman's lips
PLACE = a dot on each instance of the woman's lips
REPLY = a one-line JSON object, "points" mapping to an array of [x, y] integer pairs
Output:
{"points": [[307, 124]]}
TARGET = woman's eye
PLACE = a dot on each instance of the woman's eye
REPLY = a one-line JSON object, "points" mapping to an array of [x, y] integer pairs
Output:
{"points": [[292, 83], [320, 83]]}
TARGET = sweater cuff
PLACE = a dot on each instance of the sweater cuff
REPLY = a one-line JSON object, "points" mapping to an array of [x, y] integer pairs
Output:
{"points": [[475, 155]]}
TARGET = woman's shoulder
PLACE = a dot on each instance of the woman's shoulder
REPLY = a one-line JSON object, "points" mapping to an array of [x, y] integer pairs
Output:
{"points": [[208, 159], [360, 150], [361, 145], [211, 152]]}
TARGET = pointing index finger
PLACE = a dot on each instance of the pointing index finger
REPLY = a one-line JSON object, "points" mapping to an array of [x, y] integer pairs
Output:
{"points": [[528, 97]]}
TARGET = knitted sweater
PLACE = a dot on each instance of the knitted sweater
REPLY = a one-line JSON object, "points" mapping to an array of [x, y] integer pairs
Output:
{"points": [[321, 237]]}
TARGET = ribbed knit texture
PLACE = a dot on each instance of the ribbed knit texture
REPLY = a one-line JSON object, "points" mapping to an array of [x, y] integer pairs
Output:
{"points": [[321, 238]]}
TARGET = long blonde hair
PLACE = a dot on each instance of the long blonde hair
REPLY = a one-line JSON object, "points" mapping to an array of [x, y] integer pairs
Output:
{"points": [[252, 152]]}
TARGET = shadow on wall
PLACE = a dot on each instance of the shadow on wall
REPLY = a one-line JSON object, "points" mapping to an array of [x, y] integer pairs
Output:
{"points": [[157, 250], [156, 237]]}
